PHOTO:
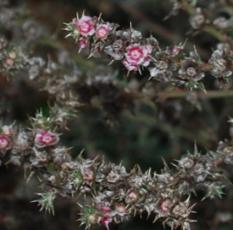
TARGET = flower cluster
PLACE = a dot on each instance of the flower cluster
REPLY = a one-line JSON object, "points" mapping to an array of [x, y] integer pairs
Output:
{"points": [[205, 16], [106, 192], [86, 28], [97, 33], [136, 52], [221, 61]]}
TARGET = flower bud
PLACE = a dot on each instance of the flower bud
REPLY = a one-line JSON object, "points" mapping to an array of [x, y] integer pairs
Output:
{"points": [[88, 175], [186, 162], [113, 177], [165, 206], [131, 197]]}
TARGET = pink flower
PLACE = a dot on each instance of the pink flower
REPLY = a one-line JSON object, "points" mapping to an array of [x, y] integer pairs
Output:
{"points": [[147, 61], [88, 175], [131, 197], [106, 220], [5, 143], [165, 206], [148, 50], [129, 66], [83, 43], [176, 50], [85, 25], [137, 55], [106, 217], [121, 209], [45, 138], [102, 31], [104, 207], [9, 62]]}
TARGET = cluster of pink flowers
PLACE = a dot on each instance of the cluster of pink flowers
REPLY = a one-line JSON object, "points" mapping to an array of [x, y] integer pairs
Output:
{"points": [[87, 26], [108, 214], [90, 30], [45, 138], [137, 52]]}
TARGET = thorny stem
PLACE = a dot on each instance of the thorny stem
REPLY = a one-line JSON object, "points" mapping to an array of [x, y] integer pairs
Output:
{"points": [[107, 192], [104, 186], [214, 94], [207, 28], [170, 65], [157, 28]]}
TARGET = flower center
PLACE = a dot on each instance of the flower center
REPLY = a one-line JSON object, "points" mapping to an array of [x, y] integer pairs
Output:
{"points": [[47, 139], [191, 71], [136, 53]]}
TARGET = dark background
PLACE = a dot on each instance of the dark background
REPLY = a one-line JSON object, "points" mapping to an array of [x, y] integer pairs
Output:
{"points": [[151, 132]]}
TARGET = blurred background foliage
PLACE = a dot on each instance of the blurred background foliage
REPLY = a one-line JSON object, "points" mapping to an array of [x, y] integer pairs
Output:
{"points": [[143, 133]]}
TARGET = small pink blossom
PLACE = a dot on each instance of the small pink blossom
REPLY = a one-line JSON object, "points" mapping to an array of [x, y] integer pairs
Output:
{"points": [[88, 175], [148, 50], [106, 220], [147, 61], [9, 62], [85, 25], [131, 197], [104, 207], [102, 31], [5, 143], [129, 66], [165, 206], [83, 43], [176, 50], [121, 209], [45, 138], [137, 55]]}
